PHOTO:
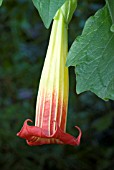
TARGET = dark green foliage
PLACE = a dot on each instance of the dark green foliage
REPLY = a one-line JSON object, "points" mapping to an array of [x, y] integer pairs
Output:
{"points": [[23, 44]]}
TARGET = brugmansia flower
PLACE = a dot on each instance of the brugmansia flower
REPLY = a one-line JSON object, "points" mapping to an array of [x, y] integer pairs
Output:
{"points": [[52, 100]]}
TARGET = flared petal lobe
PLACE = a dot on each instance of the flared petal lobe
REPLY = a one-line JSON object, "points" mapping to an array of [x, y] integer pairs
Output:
{"points": [[37, 136]]}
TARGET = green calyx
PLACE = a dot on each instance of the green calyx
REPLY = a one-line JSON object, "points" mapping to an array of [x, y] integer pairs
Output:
{"points": [[67, 10]]}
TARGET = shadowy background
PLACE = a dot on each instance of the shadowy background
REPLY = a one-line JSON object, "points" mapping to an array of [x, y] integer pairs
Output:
{"points": [[23, 44]]}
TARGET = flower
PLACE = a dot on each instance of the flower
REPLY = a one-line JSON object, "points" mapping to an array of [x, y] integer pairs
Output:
{"points": [[52, 100]]}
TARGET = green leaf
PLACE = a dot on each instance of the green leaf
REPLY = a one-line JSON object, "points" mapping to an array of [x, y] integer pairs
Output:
{"points": [[1, 2], [92, 54], [47, 9]]}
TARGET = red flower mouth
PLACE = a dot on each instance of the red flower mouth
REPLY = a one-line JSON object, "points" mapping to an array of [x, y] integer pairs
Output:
{"points": [[37, 136]]}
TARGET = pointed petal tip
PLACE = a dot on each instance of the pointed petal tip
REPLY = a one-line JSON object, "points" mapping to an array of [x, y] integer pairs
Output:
{"points": [[20, 133], [79, 136], [17, 134]]}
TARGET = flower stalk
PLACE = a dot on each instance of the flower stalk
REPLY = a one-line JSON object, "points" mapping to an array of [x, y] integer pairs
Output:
{"points": [[52, 99], [110, 4]]}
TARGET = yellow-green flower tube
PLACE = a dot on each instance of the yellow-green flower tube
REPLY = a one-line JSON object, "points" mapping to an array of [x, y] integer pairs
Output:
{"points": [[52, 100]]}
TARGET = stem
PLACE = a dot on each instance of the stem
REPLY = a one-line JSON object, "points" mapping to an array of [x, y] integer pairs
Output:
{"points": [[111, 9], [110, 4]]}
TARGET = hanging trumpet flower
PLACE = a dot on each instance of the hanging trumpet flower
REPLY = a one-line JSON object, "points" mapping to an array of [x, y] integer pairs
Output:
{"points": [[52, 100]]}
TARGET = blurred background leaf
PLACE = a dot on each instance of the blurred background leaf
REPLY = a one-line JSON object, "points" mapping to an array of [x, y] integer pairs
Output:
{"points": [[23, 44]]}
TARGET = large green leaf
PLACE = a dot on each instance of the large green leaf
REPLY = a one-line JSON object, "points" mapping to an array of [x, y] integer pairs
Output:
{"points": [[47, 9], [92, 54], [1, 2]]}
